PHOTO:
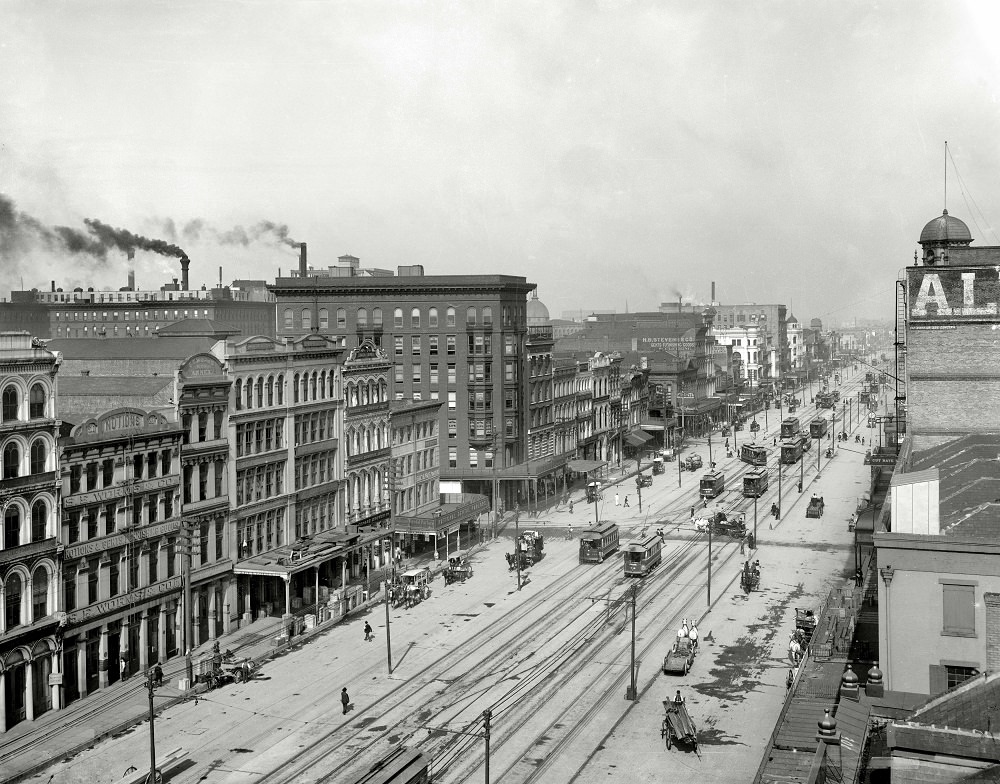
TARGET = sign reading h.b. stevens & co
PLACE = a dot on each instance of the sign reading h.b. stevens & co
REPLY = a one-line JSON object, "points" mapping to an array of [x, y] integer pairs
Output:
{"points": [[938, 294]]}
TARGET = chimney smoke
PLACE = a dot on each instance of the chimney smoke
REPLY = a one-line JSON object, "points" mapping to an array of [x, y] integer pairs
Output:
{"points": [[303, 269], [185, 263]]}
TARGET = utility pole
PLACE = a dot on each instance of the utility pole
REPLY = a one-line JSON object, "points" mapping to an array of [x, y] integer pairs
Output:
{"points": [[638, 480], [711, 525], [778, 516], [631, 695], [187, 550], [487, 715], [755, 510], [517, 543], [710, 463], [154, 776]]}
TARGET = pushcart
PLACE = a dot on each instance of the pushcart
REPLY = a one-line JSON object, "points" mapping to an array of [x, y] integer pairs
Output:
{"points": [[677, 725]]}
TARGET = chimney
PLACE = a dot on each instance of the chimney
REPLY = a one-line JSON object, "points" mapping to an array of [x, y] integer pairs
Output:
{"points": [[680, 303], [131, 280], [53, 285], [220, 277], [303, 269], [185, 263], [713, 293]]}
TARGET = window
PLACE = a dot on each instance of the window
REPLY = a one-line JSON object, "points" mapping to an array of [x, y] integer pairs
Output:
{"points": [[470, 317], [415, 318], [450, 339], [415, 344], [416, 373], [452, 401], [398, 345], [289, 319], [362, 317], [432, 345], [432, 317], [451, 373], [398, 374], [397, 317], [453, 457], [509, 372], [306, 318], [12, 527], [433, 373], [39, 454], [959, 610], [450, 317], [324, 318], [508, 345], [487, 317], [473, 458], [959, 675], [377, 317], [12, 609], [10, 403], [11, 461], [36, 402], [452, 428]]}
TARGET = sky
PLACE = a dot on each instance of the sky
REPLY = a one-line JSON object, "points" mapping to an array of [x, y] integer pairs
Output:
{"points": [[617, 154]]}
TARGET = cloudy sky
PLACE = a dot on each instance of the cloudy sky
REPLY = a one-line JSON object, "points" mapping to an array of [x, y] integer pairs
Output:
{"points": [[615, 153]]}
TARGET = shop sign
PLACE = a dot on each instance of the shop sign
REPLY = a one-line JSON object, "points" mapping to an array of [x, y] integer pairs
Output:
{"points": [[118, 491], [125, 600], [954, 293], [118, 540]]}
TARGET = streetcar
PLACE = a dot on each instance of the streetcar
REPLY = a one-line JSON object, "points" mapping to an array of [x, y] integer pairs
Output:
{"points": [[825, 400], [755, 482], [642, 556], [806, 442], [789, 428], [401, 766], [712, 484], [754, 454], [598, 542], [791, 451], [818, 427]]}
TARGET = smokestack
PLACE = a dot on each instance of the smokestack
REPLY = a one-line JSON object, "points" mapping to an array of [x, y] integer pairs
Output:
{"points": [[303, 269], [680, 303], [220, 277], [53, 285], [185, 263], [131, 280], [713, 292]]}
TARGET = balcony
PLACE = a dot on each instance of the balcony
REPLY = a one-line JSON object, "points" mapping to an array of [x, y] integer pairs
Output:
{"points": [[372, 456]]}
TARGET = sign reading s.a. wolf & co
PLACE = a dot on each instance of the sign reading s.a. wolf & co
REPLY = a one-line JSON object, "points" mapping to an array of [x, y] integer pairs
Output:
{"points": [[939, 294]]}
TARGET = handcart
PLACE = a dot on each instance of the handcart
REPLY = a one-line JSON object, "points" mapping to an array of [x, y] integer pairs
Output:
{"points": [[677, 725]]}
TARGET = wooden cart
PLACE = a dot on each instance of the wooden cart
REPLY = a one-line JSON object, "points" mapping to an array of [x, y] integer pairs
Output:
{"points": [[677, 725]]}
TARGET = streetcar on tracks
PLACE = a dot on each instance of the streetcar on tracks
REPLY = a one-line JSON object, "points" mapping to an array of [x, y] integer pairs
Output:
{"points": [[642, 556], [754, 454], [818, 427], [401, 766], [598, 542], [825, 400], [712, 484], [791, 451], [789, 428], [755, 483]]}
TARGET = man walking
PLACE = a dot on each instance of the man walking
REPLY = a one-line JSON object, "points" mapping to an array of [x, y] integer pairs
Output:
{"points": [[626, 502], [123, 669], [368, 632], [616, 499], [344, 699]]}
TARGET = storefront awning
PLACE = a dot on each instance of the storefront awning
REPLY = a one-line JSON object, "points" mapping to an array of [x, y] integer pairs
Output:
{"points": [[637, 438], [585, 466]]}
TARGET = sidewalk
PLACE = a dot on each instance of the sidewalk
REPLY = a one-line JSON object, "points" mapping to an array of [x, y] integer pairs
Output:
{"points": [[31, 747]]}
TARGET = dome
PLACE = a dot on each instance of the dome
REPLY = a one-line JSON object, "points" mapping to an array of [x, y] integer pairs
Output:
{"points": [[538, 314], [791, 319], [945, 228]]}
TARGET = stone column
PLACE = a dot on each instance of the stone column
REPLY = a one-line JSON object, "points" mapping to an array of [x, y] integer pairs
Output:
{"points": [[196, 614], [57, 689], [81, 665], [103, 681], [144, 642], [29, 690], [3, 700], [161, 632], [123, 649], [213, 592]]}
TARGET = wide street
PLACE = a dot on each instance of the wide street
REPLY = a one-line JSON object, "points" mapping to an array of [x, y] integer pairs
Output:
{"points": [[551, 661]]}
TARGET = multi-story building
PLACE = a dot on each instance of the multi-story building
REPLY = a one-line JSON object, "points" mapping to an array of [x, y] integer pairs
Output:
{"points": [[751, 352], [564, 408], [285, 419], [121, 517], [772, 319], [457, 338], [30, 624], [201, 392]]}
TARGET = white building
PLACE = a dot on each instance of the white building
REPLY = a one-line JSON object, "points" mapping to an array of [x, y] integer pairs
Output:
{"points": [[751, 353]]}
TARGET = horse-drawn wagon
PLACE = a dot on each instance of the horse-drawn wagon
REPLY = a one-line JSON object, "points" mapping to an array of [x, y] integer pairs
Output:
{"points": [[680, 658], [459, 569], [815, 508], [677, 724]]}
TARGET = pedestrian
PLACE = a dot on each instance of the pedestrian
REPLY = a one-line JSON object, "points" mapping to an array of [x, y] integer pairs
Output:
{"points": [[123, 669], [616, 499], [571, 506], [704, 502], [775, 441], [369, 635], [157, 675], [344, 699], [743, 546], [626, 501], [692, 513], [569, 531]]}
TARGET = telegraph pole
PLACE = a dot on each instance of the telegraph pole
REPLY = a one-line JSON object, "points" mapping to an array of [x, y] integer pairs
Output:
{"points": [[153, 777], [631, 695], [187, 550], [711, 525], [487, 715], [517, 542]]}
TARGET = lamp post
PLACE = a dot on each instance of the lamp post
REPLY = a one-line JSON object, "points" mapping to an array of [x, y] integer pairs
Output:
{"points": [[154, 775], [711, 525]]}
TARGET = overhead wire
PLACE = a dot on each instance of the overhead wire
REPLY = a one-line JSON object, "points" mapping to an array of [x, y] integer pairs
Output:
{"points": [[974, 206]]}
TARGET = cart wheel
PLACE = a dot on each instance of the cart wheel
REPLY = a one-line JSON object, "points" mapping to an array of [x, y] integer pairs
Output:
{"points": [[687, 667], [670, 741]]}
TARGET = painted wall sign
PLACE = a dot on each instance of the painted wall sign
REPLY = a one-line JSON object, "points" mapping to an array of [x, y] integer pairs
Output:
{"points": [[953, 293], [119, 491], [202, 365], [119, 540], [125, 600]]}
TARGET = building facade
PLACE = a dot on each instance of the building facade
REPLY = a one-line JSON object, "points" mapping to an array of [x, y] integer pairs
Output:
{"points": [[31, 625]]}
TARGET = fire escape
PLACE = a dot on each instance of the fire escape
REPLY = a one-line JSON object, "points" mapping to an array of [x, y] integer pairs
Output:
{"points": [[900, 346]]}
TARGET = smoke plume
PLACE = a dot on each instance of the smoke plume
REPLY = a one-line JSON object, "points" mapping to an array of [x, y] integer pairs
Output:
{"points": [[197, 230]]}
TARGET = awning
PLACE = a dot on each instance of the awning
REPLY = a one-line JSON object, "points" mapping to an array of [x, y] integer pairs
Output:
{"points": [[585, 466], [637, 438]]}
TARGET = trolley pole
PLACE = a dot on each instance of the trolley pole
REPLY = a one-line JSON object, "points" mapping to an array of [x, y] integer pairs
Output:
{"points": [[778, 516], [152, 741], [755, 513], [388, 643], [638, 480], [677, 457], [517, 543], [710, 463], [631, 689], [487, 715]]}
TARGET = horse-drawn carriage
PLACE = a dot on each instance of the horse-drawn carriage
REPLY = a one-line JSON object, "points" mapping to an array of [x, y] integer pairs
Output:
{"points": [[677, 724], [459, 569], [533, 544], [658, 466], [680, 658], [411, 588], [643, 480], [805, 624], [750, 576], [816, 505]]}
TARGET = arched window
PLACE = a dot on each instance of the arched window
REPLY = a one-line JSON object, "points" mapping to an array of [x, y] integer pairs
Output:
{"points": [[248, 394], [295, 388], [324, 318], [259, 391], [322, 385], [362, 317], [470, 316], [39, 455], [12, 527], [487, 317], [270, 390], [397, 317], [281, 390], [289, 319], [11, 461], [415, 317], [10, 403], [312, 387], [39, 520], [12, 604], [450, 317], [39, 594], [239, 393], [306, 318], [341, 318], [432, 317], [36, 402], [377, 317]]}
